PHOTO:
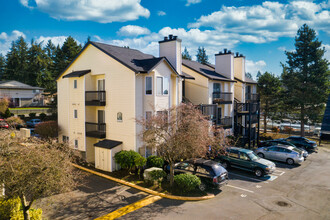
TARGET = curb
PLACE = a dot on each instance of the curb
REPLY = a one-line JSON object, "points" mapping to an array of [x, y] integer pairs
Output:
{"points": [[142, 188]]}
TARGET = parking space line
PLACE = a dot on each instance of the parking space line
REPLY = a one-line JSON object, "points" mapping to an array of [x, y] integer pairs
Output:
{"points": [[251, 178], [240, 188], [278, 173], [130, 208]]}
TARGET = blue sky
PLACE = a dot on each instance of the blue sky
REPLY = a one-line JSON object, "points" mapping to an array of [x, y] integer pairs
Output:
{"points": [[261, 30]]}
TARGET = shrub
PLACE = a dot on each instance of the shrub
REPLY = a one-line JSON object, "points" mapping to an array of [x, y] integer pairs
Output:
{"points": [[21, 116], [12, 209], [14, 122], [48, 129], [275, 129], [288, 129], [187, 182], [157, 176], [127, 159], [139, 163], [7, 113], [265, 137], [42, 116], [32, 115], [154, 161]]}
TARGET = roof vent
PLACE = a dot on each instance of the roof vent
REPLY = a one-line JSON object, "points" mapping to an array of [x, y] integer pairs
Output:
{"points": [[229, 51], [241, 55], [225, 51], [170, 36], [237, 54], [174, 37], [165, 38]]}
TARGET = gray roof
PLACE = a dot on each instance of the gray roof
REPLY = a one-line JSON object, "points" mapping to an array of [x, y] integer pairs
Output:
{"points": [[186, 76], [248, 80], [77, 73], [205, 70], [13, 84], [108, 144]]}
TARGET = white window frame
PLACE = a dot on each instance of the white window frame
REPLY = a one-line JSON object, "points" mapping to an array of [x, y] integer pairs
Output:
{"points": [[98, 89], [75, 113], [75, 84], [166, 79], [163, 86], [145, 86]]}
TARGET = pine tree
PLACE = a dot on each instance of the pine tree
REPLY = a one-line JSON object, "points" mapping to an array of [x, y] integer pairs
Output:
{"points": [[306, 76], [185, 54], [2, 65], [269, 88], [201, 56], [37, 60], [17, 62], [248, 75]]}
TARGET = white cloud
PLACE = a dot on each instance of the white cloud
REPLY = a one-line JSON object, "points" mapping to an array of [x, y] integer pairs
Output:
{"points": [[253, 67], [133, 30], [192, 2], [161, 13], [103, 11], [266, 22], [327, 52], [57, 40], [282, 48], [6, 39]]}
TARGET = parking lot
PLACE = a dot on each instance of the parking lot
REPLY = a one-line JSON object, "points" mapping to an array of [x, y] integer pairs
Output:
{"points": [[292, 192]]}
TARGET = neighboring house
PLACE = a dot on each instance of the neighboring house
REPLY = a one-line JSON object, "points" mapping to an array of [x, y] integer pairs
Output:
{"points": [[106, 88], [325, 128], [20, 94]]}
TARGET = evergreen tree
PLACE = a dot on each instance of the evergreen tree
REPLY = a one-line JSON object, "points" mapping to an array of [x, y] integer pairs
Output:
{"points": [[49, 82], [65, 54], [269, 88], [37, 60], [2, 65], [185, 54], [306, 76], [201, 56], [17, 61], [248, 75]]}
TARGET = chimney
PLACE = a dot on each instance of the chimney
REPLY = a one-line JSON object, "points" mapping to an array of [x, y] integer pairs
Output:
{"points": [[224, 63], [239, 64], [170, 48]]}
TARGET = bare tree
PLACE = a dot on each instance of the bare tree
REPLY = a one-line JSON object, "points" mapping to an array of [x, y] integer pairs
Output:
{"points": [[178, 134], [36, 170]]}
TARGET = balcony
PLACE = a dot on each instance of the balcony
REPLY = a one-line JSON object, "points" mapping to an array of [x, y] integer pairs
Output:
{"points": [[225, 122], [246, 108], [252, 97], [95, 98], [96, 130], [222, 97]]}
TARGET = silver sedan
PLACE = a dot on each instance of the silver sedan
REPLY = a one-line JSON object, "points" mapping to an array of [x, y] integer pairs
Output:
{"points": [[281, 153]]}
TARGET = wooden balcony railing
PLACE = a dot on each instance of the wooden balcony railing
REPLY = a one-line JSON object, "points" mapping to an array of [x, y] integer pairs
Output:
{"points": [[222, 97]]}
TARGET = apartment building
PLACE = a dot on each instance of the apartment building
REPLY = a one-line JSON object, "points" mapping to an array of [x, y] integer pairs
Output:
{"points": [[106, 88]]}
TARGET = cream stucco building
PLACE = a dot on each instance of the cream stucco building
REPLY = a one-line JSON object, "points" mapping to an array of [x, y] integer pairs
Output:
{"points": [[106, 88]]}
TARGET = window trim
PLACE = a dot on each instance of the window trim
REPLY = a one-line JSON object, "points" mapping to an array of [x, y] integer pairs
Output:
{"points": [[145, 85], [163, 86]]}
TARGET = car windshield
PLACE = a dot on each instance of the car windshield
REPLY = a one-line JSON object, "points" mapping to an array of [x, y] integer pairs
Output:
{"points": [[217, 169], [252, 156]]}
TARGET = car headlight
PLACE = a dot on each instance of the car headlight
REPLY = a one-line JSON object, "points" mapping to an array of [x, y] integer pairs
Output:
{"points": [[268, 168]]}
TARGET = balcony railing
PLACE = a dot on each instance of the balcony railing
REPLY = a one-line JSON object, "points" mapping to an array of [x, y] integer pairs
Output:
{"points": [[222, 97], [252, 97], [225, 122], [96, 130], [209, 110], [95, 98], [245, 108]]}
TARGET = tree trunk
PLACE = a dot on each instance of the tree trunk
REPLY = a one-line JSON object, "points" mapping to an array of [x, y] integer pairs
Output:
{"points": [[265, 122], [25, 208], [171, 174], [302, 121]]}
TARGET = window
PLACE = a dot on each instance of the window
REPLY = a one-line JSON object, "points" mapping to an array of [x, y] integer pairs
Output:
{"points": [[148, 85], [75, 113], [159, 85], [233, 154], [162, 85], [75, 84], [166, 86], [119, 116], [243, 156], [202, 171], [75, 144], [36, 91], [163, 115], [216, 87], [65, 139], [148, 117]]}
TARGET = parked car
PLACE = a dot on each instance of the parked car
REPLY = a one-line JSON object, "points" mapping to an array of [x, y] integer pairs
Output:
{"points": [[3, 124], [282, 141], [303, 142], [245, 159], [210, 172], [33, 122], [283, 153]]}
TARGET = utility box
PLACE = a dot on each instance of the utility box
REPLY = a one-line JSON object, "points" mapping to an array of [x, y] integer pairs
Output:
{"points": [[25, 133]]}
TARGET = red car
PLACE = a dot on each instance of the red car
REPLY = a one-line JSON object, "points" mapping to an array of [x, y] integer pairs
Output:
{"points": [[3, 124]]}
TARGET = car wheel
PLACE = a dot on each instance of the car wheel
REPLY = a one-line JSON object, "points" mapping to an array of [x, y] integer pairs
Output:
{"points": [[290, 161], [259, 172], [261, 155], [202, 187], [225, 164]]}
